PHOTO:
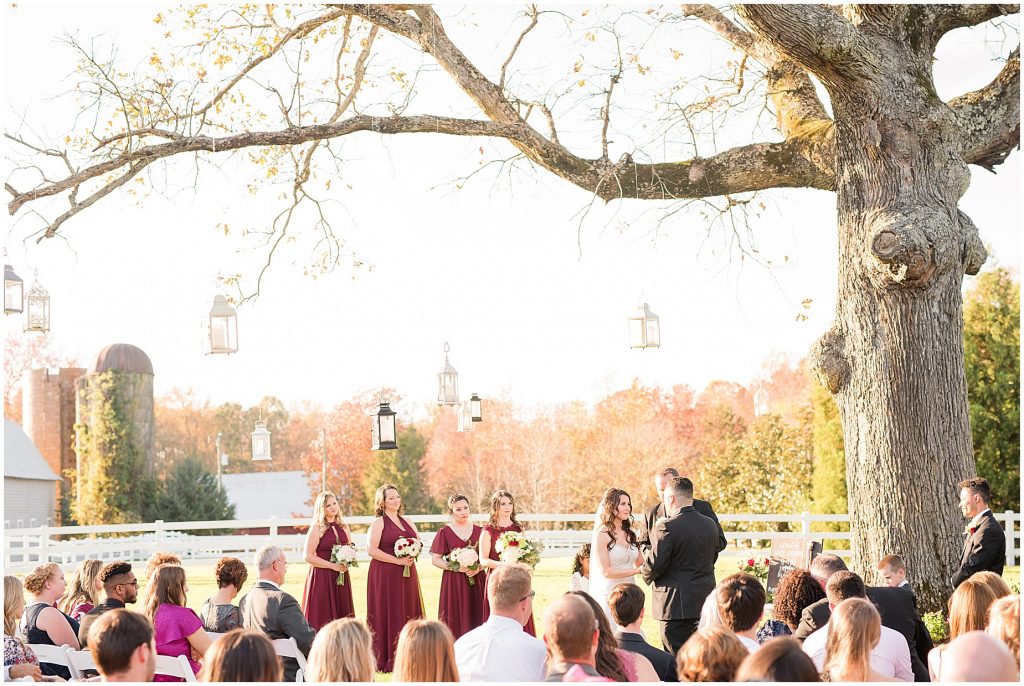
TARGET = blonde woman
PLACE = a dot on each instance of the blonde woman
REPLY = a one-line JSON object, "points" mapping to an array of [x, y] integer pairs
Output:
{"points": [[342, 651], [425, 652], [44, 624], [19, 660], [84, 592], [1004, 624], [177, 628], [323, 598], [710, 654], [854, 629]]}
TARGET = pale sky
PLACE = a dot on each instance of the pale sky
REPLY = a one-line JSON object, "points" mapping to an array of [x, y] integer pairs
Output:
{"points": [[494, 271]]}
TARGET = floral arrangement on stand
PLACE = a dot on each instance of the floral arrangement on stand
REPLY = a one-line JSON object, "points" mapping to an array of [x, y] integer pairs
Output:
{"points": [[758, 568], [408, 547]]}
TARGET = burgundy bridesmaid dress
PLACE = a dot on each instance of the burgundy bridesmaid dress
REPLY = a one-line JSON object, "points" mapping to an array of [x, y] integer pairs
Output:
{"points": [[323, 600], [391, 599], [495, 532], [461, 606]]}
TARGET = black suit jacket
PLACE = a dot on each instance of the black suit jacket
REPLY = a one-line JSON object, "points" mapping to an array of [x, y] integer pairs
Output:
{"points": [[92, 615], [984, 550], [277, 615], [652, 514], [664, 663], [681, 564]]}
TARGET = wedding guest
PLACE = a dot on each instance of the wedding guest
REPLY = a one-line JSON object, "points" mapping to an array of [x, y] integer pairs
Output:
{"points": [[854, 631], [44, 624], [626, 603], [796, 591], [985, 542], [218, 613], [83, 593], [241, 656], [780, 659], [499, 649], [463, 594], [616, 554], [977, 657], [271, 611], [894, 571], [710, 654], [19, 660], [968, 607], [1004, 623], [502, 518], [571, 636], [178, 629], [159, 559], [120, 588], [816, 614], [392, 599], [657, 511], [611, 660], [741, 599], [342, 651], [425, 652], [324, 599], [121, 643], [995, 583], [580, 580]]}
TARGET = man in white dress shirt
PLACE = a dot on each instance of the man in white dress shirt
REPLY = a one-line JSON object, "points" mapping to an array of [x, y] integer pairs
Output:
{"points": [[890, 657], [500, 650]]}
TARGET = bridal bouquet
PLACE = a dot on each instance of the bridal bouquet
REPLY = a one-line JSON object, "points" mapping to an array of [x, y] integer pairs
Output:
{"points": [[463, 557], [344, 554], [513, 546], [408, 547]]}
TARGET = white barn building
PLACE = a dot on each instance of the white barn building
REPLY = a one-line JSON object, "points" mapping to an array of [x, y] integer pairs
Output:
{"points": [[30, 486]]}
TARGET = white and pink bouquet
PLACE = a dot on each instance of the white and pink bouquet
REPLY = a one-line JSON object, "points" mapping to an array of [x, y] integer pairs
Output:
{"points": [[463, 557], [344, 554], [513, 546], [408, 547]]}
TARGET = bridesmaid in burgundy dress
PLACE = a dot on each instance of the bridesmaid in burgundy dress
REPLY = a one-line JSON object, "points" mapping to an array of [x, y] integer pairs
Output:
{"points": [[323, 600], [461, 605], [391, 598], [503, 518]]}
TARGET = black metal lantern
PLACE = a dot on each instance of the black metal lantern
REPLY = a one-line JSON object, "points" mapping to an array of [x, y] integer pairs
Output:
{"points": [[447, 382], [475, 409], [14, 291], [382, 428]]}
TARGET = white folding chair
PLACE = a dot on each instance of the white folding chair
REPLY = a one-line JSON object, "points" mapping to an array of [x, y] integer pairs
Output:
{"points": [[175, 666], [213, 635], [287, 647], [54, 655], [80, 662]]}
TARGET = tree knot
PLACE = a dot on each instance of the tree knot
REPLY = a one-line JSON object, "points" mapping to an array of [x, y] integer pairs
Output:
{"points": [[828, 361], [907, 245]]}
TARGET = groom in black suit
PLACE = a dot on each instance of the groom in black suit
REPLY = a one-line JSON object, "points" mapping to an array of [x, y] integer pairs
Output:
{"points": [[656, 511], [681, 564], [985, 542]]}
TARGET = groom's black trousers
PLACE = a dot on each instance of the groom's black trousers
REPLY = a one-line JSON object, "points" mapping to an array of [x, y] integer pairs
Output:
{"points": [[674, 632]]}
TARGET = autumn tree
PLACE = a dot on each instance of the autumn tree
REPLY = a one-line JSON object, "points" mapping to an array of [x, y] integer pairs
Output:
{"points": [[856, 113]]}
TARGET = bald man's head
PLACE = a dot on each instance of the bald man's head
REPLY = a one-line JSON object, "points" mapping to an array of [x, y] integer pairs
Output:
{"points": [[570, 630], [976, 656]]}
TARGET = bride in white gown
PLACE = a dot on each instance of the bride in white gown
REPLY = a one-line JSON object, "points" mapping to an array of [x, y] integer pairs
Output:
{"points": [[615, 555]]}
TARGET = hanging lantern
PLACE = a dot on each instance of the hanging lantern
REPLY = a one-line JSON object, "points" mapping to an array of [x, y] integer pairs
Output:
{"points": [[644, 329], [260, 442], [447, 382], [223, 327], [475, 409], [37, 308], [760, 402], [14, 291], [382, 427], [465, 417]]}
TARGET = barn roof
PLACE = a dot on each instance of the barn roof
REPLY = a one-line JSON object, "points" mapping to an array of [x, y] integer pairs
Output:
{"points": [[22, 460]]}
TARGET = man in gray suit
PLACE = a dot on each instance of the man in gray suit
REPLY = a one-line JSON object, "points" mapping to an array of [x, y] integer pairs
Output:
{"points": [[268, 609]]}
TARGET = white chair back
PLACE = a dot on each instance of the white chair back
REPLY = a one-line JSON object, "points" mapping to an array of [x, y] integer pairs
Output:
{"points": [[287, 647], [213, 635], [175, 666], [80, 662], [55, 655]]}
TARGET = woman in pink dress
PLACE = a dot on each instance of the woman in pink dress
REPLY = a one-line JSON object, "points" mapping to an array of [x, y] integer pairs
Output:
{"points": [[463, 596], [392, 598], [178, 629], [502, 519], [323, 599]]}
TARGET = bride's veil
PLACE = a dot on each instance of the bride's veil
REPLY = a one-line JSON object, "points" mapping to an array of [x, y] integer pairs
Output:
{"points": [[598, 581]]}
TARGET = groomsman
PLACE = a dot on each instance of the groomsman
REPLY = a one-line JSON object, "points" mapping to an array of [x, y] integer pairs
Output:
{"points": [[985, 542], [656, 511]]}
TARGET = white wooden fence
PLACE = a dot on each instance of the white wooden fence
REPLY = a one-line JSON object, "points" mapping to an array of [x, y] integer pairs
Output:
{"points": [[561, 534]]}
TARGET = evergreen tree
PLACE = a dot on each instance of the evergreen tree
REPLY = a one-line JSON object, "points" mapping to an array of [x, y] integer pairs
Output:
{"points": [[191, 493], [828, 485], [404, 469]]}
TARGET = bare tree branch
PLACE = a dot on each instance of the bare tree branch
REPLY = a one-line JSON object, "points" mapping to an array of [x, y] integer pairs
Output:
{"points": [[533, 22], [990, 117], [939, 20]]}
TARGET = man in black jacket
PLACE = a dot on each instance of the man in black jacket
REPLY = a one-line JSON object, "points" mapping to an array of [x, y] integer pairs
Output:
{"points": [[894, 571], [985, 542], [681, 564], [121, 588], [626, 603], [657, 511]]}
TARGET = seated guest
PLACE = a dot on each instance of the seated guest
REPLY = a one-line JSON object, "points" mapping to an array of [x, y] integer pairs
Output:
{"points": [[571, 636], [179, 631], [611, 660], [995, 583], [580, 580], [499, 649], [19, 660], [977, 657], [711, 654], [797, 590], [854, 630], [889, 653], [120, 587], [626, 603], [425, 653], [816, 614], [968, 611], [83, 593], [121, 643], [342, 651], [268, 609], [780, 659], [241, 655], [218, 614], [158, 559], [44, 624], [709, 611], [741, 599], [1004, 623]]}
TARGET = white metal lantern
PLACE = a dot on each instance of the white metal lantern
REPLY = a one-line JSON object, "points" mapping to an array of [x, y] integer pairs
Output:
{"points": [[260, 442], [382, 428], [223, 327], [760, 402], [37, 308], [644, 329], [14, 291], [447, 382], [475, 408], [465, 417]]}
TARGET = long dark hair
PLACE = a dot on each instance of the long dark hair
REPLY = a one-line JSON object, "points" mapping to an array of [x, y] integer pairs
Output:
{"points": [[606, 661], [610, 503], [495, 499]]}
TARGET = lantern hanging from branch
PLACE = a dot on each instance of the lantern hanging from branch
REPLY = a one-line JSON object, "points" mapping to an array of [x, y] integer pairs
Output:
{"points": [[37, 308], [384, 435], [644, 328], [447, 382]]}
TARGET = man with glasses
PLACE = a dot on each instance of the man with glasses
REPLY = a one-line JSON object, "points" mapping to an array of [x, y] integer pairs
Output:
{"points": [[499, 649], [121, 588]]}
